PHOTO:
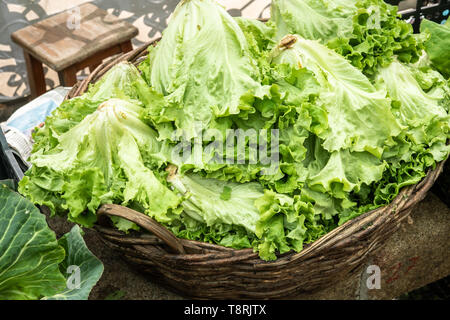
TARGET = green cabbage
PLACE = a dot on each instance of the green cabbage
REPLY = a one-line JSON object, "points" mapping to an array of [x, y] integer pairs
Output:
{"points": [[29, 252], [78, 254]]}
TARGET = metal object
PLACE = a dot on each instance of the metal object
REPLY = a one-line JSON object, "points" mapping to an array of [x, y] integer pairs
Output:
{"points": [[9, 167]]}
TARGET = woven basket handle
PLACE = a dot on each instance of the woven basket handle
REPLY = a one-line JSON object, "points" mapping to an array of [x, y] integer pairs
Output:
{"points": [[145, 222]]}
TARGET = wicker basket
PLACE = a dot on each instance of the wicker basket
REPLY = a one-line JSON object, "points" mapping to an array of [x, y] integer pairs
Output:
{"points": [[207, 271]]}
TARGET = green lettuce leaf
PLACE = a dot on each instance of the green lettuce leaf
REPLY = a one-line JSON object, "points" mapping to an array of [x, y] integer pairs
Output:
{"points": [[281, 227], [437, 45], [204, 200], [242, 215], [424, 114], [359, 116], [227, 235], [260, 35], [313, 19], [332, 177], [101, 160], [203, 66], [118, 82]]}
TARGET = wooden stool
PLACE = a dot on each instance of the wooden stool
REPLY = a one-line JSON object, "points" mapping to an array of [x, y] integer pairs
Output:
{"points": [[68, 45]]}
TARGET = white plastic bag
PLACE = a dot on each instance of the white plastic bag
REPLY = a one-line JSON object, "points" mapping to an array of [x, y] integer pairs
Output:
{"points": [[19, 127]]}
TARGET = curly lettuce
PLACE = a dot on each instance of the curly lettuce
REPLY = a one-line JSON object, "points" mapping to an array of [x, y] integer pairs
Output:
{"points": [[203, 66], [368, 33], [359, 115]]}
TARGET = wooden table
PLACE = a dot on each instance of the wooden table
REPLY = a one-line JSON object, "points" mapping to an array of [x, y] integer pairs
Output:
{"points": [[71, 41]]}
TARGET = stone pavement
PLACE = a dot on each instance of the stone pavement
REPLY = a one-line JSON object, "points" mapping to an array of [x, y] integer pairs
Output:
{"points": [[413, 257]]}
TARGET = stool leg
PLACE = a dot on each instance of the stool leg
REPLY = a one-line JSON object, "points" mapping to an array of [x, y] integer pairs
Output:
{"points": [[126, 46], [68, 77], [36, 78], [92, 67]]}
